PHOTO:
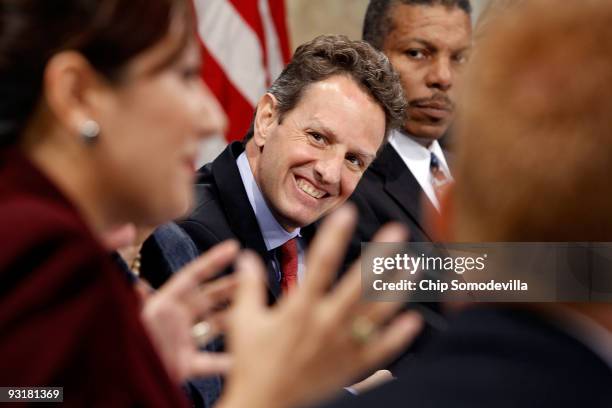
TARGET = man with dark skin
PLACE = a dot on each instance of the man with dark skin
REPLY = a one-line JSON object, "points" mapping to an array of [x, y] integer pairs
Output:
{"points": [[428, 43]]}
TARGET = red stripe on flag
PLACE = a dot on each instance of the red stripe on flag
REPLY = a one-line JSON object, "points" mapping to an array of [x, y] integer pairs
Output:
{"points": [[236, 106], [239, 112], [277, 9]]}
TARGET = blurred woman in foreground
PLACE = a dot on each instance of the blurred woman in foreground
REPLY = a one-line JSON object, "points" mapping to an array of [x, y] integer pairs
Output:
{"points": [[101, 113]]}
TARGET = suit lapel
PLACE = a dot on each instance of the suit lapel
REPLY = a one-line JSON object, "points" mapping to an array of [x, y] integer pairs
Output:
{"points": [[239, 212], [401, 185]]}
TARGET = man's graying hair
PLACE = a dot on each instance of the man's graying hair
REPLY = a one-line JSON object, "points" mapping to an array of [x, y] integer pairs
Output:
{"points": [[378, 24], [329, 55]]}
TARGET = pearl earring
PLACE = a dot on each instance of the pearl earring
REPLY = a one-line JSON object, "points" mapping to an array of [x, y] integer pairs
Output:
{"points": [[89, 131]]}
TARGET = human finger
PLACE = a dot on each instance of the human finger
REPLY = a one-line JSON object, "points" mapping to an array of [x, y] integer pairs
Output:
{"points": [[327, 250], [119, 237], [348, 291], [206, 364], [251, 292], [202, 268], [213, 296], [392, 339]]}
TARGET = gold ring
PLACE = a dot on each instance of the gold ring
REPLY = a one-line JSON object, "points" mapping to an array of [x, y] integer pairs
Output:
{"points": [[362, 329], [202, 333]]}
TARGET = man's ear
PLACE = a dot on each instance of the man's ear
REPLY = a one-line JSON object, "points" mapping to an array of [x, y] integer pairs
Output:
{"points": [[441, 223], [72, 89], [265, 119]]}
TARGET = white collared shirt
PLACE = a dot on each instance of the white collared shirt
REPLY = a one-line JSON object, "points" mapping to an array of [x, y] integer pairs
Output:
{"points": [[418, 159], [273, 233]]}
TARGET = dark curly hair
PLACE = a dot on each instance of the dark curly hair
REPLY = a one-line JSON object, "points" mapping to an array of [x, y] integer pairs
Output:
{"points": [[329, 55]]}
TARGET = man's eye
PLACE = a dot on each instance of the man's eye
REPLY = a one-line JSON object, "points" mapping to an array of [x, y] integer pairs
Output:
{"points": [[354, 160], [317, 137], [190, 73], [461, 59], [416, 54]]}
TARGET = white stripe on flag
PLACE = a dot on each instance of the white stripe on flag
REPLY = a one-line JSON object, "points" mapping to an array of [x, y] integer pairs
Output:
{"points": [[274, 57], [235, 46]]}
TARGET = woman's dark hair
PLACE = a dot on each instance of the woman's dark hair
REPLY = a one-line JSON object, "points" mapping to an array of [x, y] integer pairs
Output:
{"points": [[109, 33]]}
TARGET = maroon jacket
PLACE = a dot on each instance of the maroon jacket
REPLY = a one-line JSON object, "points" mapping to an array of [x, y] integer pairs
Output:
{"points": [[68, 315]]}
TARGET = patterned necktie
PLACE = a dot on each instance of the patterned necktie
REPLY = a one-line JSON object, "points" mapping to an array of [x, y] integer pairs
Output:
{"points": [[289, 264], [438, 177]]}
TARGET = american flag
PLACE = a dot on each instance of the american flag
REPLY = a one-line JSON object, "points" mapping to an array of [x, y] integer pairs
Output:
{"points": [[244, 46]]}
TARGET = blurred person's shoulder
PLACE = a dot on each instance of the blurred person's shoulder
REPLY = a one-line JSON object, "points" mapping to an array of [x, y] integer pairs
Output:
{"points": [[40, 229], [31, 205], [29, 215], [497, 356]]}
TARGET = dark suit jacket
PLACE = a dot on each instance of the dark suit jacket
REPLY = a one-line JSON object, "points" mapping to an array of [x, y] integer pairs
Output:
{"points": [[389, 192], [68, 315], [498, 357], [223, 211]]}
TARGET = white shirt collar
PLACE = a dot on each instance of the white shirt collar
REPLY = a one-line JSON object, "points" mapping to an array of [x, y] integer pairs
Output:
{"points": [[417, 158], [274, 234]]}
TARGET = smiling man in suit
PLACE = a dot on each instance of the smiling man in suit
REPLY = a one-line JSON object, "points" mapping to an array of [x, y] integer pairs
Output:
{"points": [[314, 134], [427, 42]]}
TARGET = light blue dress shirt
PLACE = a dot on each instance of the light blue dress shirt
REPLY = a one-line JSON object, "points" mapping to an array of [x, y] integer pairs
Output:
{"points": [[273, 233]]}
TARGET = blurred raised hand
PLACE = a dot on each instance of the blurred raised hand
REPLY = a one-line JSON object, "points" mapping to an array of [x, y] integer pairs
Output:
{"points": [[315, 340], [170, 313]]}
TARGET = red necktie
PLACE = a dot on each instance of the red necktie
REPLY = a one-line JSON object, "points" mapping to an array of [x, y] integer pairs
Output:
{"points": [[439, 179], [289, 264]]}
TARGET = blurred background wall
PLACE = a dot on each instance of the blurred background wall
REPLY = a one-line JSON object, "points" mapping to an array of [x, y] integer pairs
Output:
{"points": [[308, 18]]}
